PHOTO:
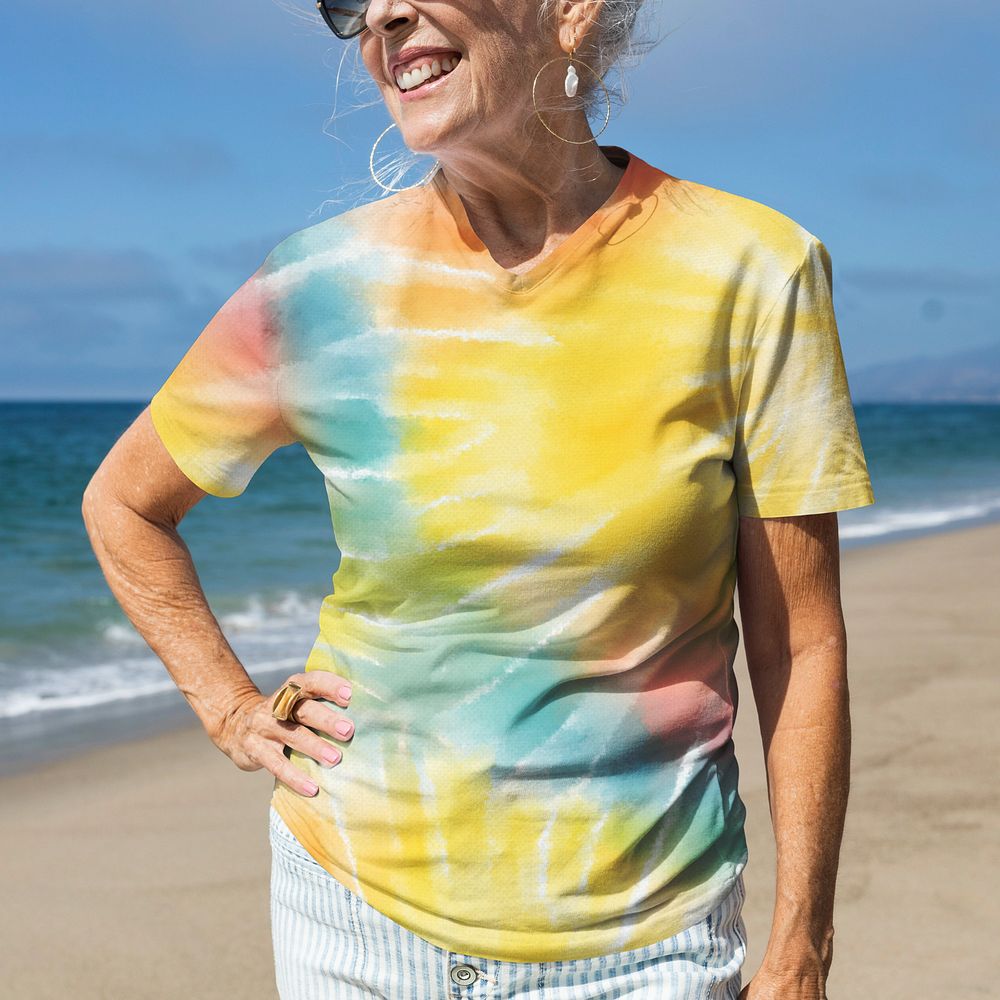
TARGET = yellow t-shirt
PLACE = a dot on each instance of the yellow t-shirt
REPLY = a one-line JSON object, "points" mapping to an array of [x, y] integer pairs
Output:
{"points": [[535, 482]]}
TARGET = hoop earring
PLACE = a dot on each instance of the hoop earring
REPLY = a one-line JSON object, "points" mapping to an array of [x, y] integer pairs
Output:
{"points": [[371, 168], [570, 86]]}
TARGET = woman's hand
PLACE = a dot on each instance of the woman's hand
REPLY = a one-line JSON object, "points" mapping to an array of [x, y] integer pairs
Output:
{"points": [[252, 738]]}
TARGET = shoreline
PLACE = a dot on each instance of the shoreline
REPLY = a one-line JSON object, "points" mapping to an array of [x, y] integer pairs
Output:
{"points": [[146, 861]]}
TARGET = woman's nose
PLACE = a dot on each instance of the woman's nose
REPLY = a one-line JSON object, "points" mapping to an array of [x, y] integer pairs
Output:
{"points": [[386, 17]]}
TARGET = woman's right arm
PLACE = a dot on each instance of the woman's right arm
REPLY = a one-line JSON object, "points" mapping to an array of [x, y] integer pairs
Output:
{"points": [[132, 507]]}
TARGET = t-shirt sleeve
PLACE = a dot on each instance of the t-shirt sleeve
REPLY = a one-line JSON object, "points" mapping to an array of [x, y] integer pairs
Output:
{"points": [[797, 448], [219, 413]]}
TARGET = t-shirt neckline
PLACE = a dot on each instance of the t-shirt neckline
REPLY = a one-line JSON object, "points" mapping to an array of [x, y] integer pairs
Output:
{"points": [[584, 235]]}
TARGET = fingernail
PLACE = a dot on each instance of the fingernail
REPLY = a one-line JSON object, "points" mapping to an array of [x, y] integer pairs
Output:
{"points": [[345, 691], [343, 728], [311, 788], [332, 757]]}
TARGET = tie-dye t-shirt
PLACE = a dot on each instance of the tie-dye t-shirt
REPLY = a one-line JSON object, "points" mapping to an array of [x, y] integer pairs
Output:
{"points": [[535, 483]]}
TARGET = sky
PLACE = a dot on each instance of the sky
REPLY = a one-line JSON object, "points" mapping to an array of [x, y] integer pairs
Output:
{"points": [[151, 155]]}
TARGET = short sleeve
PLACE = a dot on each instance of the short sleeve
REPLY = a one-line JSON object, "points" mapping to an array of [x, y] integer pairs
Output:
{"points": [[219, 412], [797, 448]]}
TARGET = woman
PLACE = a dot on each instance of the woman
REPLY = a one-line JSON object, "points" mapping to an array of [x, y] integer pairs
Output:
{"points": [[562, 402]]}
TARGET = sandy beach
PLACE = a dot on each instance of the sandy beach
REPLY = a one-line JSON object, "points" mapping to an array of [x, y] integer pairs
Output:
{"points": [[144, 874]]}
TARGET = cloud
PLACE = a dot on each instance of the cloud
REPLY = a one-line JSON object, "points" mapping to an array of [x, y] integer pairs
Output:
{"points": [[231, 26], [78, 276], [978, 132], [93, 319], [914, 187], [241, 257], [714, 58], [923, 280], [173, 160]]}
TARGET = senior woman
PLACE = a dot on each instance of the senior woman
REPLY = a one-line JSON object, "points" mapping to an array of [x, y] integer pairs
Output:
{"points": [[563, 402]]}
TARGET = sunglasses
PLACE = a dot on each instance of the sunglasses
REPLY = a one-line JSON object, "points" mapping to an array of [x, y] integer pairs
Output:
{"points": [[345, 18]]}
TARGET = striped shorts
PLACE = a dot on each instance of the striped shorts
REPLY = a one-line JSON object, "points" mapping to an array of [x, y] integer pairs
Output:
{"points": [[330, 944]]}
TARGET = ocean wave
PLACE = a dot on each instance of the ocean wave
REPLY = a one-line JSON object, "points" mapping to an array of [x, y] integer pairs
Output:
{"points": [[880, 524], [118, 665], [290, 609], [104, 684]]}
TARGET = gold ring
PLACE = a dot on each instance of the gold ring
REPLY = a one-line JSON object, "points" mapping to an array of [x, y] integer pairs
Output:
{"points": [[285, 700]]}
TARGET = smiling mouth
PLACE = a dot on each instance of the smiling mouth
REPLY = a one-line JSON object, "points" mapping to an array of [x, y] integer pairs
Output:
{"points": [[424, 70]]}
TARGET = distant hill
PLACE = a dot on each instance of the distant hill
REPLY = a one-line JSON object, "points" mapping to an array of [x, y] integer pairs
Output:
{"points": [[971, 376]]}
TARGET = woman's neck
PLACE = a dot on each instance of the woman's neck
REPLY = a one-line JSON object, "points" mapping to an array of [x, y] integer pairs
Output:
{"points": [[522, 211]]}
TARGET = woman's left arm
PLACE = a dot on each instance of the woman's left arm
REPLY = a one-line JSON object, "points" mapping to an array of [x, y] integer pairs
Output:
{"points": [[796, 648]]}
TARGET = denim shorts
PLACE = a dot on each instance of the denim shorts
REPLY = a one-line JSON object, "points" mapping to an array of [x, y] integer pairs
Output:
{"points": [[330, 944]]}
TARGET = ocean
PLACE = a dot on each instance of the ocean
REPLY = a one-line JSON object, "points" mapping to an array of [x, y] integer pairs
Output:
{"points": [[75, 673]]}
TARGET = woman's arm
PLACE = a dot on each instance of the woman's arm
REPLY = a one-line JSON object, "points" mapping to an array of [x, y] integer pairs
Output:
{"points": [[796, 648], [131, 508]]}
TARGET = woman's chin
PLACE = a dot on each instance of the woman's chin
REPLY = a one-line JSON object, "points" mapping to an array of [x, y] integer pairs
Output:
{"points": [[428, 133]]}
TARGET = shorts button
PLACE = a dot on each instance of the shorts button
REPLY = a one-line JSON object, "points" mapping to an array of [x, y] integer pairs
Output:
{"points": [[463, 974]]}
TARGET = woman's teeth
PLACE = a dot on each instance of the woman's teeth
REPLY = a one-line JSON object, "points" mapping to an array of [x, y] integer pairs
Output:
{"points": [[421, 72]]}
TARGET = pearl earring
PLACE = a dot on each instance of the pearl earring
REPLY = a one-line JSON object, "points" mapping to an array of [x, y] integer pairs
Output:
{"points": [[572, 80], [571, 88]]}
